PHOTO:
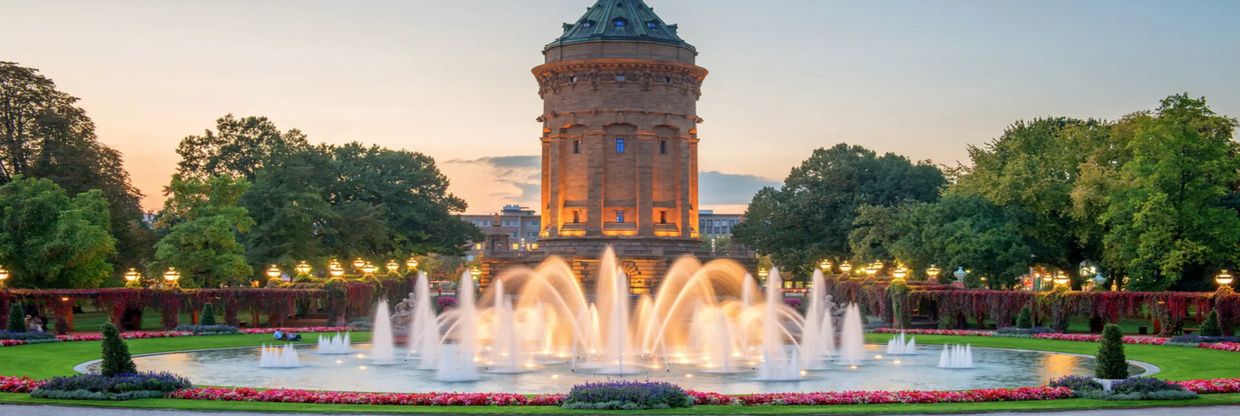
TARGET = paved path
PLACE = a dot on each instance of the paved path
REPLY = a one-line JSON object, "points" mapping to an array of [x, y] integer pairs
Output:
{"points": [[26, 410]]}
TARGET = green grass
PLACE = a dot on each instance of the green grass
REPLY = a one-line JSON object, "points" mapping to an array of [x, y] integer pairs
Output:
{"points": [[1177, 363]]}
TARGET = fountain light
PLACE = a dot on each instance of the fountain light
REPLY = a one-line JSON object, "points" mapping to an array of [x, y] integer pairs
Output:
{"points": [[852, 367], [172, 276], [555, 376], [690, 375], [392, 266], [361, 367], [411, 264], [897, 362], [358, 263], [878, 356], [1224, 278], [273, 272], [302, 268], [825, 265]]}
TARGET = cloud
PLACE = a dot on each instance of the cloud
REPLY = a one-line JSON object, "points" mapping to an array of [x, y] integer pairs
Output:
{"points": [[719, 188], [521, 172]]}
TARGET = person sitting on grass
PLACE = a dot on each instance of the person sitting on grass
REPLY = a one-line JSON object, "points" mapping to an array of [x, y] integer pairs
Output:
{"points": [[279, 335], [292, 336]]}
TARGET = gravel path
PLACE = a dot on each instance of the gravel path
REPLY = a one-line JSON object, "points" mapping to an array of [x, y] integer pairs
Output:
{"points": [[27, 410]]}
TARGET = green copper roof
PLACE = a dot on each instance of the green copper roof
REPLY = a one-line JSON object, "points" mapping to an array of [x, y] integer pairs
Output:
{"points": [[620, 20]]}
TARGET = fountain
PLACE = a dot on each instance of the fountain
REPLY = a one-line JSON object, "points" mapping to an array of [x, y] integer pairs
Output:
{"points": [[956, 356], [457, 352], [383, 349], [779, 362], [898, 346], [335, 345], [278, 357], [424, 328], [506, 354], [852, 340], [818, 338]]}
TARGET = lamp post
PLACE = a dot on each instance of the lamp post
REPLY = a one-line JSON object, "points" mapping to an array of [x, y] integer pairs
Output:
{"points": [[475, 272], [368, 269], [359, 263], [392, 267], [825, 265], [900, 272], [933, 272], [302, 268], [959, 274], [4, 276], [273, 272], [872, 269], [171, 277], [1061, 279], [845, 267], [762, 274], [335, 272], [1224, 278], [411, 264], [133, 278]]}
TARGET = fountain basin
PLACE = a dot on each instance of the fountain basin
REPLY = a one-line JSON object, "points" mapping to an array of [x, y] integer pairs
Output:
{"points": [[994, 368]]}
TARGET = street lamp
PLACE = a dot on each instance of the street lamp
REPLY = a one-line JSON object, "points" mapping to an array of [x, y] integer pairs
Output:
{"points": [[845, 267], [172, 276], [411, 264], [335, 271], [872, 269], [1224, 278], [825, 265], [333, 264], [302, 268], [900, 272], [933, 271], [392, 266], [475, 272], [1061, 278], [4, 275], [273, 272], [359, 263], [368, 269]]}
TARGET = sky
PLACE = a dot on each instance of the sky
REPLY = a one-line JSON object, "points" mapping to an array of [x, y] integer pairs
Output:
{"points": [[451, 78]]}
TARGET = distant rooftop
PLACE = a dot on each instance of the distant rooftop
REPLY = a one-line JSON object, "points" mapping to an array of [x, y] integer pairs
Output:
{"points": [[630, 20]]}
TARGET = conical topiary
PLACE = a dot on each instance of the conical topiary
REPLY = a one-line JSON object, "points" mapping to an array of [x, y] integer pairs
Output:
{"points": [[1025, 319], [17, 318], [208, 314], [1211, 328], [116, 358], [1112, 364]]}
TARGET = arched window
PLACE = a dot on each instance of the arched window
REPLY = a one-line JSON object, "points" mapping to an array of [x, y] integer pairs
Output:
{"points": [[620, 22], [620, 147]]}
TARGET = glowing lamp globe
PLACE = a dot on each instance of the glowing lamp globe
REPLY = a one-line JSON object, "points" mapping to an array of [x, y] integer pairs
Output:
{"points": [[933, 271], [1224, 278], [359, 263], [411, 264], [368, 268], [846, 267], [900, 273], [392, 266], [302, 268], [825, 265], [132, 275]]}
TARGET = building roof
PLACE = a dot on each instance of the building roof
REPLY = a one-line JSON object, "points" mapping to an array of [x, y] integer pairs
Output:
{"points": [[630, 20]]}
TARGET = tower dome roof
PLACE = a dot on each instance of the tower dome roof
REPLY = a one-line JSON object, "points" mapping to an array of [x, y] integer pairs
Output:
{"points": [[629, 20]]}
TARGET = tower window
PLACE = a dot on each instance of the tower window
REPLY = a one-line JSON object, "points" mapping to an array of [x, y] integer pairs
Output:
{"points": [[662, 217], [620, 23], [620, 216], [576, 146], [651, 25], [663, 147], [620, 146], [620, 77], [576, 217]]}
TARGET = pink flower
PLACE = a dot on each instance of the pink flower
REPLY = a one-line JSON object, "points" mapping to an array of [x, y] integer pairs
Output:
{"points": [[1096, 338], [957, 332], [1221, 346], [18, 384]]}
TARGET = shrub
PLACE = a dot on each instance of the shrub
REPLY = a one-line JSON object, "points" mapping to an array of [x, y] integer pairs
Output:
{"points": [[27, 336], [120, 387], [1144, 388], [1112, 364], [116, 358], [1025, 318], [624, 395], [1211, 328], [208, 315], [17, 318], [1079, 384], [208, 329]]}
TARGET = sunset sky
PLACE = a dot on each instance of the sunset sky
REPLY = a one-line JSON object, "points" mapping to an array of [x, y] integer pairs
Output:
{"points": [[451, 78]]}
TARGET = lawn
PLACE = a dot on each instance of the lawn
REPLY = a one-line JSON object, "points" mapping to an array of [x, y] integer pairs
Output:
{"points": [[1177, 363]]}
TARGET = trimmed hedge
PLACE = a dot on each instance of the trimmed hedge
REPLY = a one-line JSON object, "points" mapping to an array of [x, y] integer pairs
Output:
{"points": [[209, 329], [121, 387], [27, 336], [624, 395]]}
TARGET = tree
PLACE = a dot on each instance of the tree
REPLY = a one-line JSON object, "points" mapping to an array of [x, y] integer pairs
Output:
{"points": [[116, 358], [17, 318], [237, 147], [1025, 318], [1211, 327], [202, 220], [811, 216], [1167, 215], [1112, 364], [289, 204], [43, 134], [1036, 165], [51, 240], [208, 314]]}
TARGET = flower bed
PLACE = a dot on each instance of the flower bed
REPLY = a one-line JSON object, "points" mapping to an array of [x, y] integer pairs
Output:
{"points": [[956, 332], [1218, 385], [1096, 338], [308, 329], [168, 334], [1221, 346], [404, 399], [18, 384], [880, 397], [125, 335]]}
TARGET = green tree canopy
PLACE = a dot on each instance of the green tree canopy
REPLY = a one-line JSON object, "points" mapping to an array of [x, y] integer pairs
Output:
{"points": [[810, 217], [44, 134], [202, 222], [237, 147], [1167, 212], [51, 240]]}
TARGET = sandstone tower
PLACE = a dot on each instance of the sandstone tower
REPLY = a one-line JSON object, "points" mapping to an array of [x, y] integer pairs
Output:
{"points": [[619, 138]]}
